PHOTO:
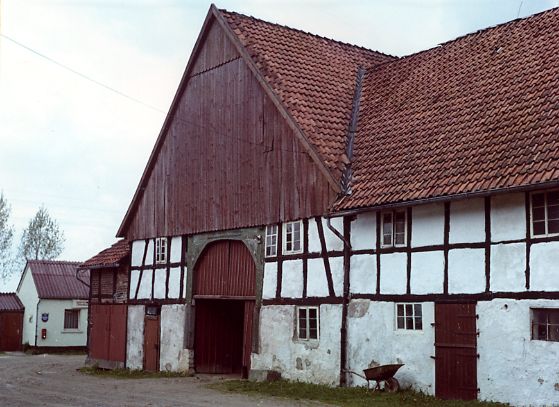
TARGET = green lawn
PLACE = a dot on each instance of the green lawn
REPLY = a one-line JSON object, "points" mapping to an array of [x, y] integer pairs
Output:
{"points": [[129, 374], [347, 397]]}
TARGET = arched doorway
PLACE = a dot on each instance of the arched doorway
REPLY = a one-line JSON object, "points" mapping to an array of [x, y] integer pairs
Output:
{"points": [[224, 295]]}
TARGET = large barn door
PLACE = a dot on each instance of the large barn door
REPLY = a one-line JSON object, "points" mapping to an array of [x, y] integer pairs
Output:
{"points": [[455, 351], [224, 290]]}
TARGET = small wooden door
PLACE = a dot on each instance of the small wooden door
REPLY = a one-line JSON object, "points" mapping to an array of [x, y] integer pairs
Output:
{"points": [[151, 340], [455, 351], [11, 325]]}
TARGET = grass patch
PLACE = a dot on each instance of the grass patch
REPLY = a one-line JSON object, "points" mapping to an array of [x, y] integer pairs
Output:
{"points": [[346, 397], [129, 374]]}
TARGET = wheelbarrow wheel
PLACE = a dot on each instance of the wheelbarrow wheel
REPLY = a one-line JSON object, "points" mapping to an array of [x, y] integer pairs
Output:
{"points": [[392, 385]]}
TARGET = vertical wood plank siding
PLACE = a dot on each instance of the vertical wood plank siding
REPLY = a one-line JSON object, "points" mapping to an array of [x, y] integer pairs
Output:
{"points": [[226, 268], [229, 159]]}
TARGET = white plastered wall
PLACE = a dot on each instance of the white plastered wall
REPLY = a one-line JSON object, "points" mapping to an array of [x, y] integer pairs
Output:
{"points": [[172, 337], [56, 334], [427, 272], [364, 231], [307, 361], [135, 337], [292, 279], [466, 271], [27, 293], [427, 225], [373, 339], [512, 368], [544, 260], [508, 217], [393, 273], [467, 221]]}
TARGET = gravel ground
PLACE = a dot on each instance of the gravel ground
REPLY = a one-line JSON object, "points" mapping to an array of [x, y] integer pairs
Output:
{"points": [[52, 380]]}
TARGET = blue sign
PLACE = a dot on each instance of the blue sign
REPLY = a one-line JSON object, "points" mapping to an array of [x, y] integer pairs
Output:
{"points": [[45, 316]]}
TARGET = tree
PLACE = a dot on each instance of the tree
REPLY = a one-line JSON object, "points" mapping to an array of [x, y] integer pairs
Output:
{"points": [[42, 239], [6, 236]]}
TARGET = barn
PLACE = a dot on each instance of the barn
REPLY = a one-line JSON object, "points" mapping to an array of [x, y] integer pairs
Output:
{"points": [[312, 208], [11, 322]]}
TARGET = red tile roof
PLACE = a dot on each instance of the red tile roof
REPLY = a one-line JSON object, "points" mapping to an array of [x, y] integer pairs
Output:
{"points": [[313, 76], [57, 279], [479, 113], [10, 302], [110, 257]]}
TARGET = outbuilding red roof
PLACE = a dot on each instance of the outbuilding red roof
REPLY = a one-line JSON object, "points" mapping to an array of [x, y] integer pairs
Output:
{"points": [[57, 279], [10, 302], [479, 113], [110, 257]]}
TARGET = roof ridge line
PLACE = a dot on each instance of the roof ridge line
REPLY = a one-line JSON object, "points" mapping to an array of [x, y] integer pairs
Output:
{"points": [[471, 34], [309, 33]]}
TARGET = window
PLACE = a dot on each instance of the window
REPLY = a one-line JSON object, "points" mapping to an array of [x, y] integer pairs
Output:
{"points": [[161, 250], [545, 213], [393, 228], [292, 242], [409, 317], [271, 240], [545, 324], [307, 323], [71, 318]]}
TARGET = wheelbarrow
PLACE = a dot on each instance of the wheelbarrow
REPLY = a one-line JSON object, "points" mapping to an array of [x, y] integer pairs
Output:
{"points": [[379, 374]]}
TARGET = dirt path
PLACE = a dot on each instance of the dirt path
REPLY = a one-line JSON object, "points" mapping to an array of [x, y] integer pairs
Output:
{"points": [[52, 380]]}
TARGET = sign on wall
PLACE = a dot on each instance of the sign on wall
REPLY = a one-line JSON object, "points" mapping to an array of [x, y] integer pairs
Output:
{"points": [[45, 316]]}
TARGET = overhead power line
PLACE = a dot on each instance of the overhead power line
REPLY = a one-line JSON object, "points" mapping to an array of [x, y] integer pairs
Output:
{"points": [[131, 98], [88, 78]]}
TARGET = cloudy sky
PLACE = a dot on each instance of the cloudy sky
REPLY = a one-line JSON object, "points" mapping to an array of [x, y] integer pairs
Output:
{"points": [[79, 147]]}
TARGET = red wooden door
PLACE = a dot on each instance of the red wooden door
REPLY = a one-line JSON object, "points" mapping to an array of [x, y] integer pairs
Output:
{"points": [[99, 328], [11, 325], [224, 292], [107, 333], [455, 351], [151, 343]]}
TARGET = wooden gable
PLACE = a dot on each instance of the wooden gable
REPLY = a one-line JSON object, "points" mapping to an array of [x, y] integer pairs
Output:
{"points": [[227, 157]]}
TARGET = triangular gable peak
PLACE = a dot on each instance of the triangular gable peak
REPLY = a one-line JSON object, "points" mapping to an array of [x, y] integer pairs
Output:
{"points": [[229, 155]]}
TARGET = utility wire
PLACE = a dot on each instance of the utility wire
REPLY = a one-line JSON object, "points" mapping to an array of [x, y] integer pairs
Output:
{"points": [[122, 94]]}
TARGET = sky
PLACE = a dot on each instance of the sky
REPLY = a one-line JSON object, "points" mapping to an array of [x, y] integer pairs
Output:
{"points": [[77, 127]]}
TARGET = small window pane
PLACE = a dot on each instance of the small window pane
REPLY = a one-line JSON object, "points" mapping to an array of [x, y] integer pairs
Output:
{"points": [[409, 322], [539, 228], [400, 310], [538, 200], [417, 309], [553, 226], [553, 198], [400, 238], [418, 323], [553, 212], [312, 313], [409, 309], [554, 333], [400, 322], [538, 214]]}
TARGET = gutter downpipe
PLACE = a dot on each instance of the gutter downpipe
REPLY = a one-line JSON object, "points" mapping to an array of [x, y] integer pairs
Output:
{"points": [[37, 320], [345, 297]]}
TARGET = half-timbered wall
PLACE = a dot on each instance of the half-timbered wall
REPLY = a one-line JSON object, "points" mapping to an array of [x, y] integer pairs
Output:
{"points": [[162, 282], [471, 250], [229, 158]]}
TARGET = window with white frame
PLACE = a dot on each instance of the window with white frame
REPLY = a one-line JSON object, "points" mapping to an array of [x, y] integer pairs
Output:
{"points": [[545, 213], [409, 317], [161, 250], [545, 324], [292, 237], [71, 319], [393, 228], [271, 240], [307, 323]]}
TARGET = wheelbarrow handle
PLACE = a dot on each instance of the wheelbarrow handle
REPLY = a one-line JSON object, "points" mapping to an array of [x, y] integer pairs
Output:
{"points": [[355, 373]]}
